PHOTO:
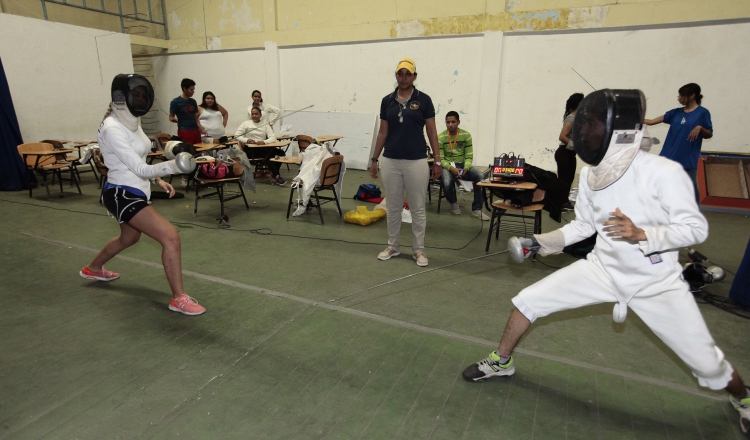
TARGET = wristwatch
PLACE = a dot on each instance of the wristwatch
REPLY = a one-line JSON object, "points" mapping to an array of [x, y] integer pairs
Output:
{"points": [[374, 159]]}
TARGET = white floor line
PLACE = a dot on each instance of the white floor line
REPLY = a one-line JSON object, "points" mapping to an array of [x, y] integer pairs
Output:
{"points": [[719, 396]]}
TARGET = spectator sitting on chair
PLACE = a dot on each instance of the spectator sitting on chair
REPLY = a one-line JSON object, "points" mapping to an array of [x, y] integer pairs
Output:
{"points": [[457, 153], [257, 132]]}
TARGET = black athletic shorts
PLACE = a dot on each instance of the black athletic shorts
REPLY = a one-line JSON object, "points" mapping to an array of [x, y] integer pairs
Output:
{"points": [[123, 204]]}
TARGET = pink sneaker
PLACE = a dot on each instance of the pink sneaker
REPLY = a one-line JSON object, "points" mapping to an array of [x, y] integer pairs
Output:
{"points": [[102, 275], [186, 305]]}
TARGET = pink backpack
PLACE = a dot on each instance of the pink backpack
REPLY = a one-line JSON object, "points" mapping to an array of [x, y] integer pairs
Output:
{"points": [[211, 171]]}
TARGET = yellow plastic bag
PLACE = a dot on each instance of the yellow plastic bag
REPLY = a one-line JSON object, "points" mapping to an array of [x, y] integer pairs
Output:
{"points": [[361, 216]]}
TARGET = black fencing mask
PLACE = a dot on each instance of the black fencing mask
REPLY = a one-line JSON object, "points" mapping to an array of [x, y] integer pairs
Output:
{"points": [[134, 91], [602, 114]]}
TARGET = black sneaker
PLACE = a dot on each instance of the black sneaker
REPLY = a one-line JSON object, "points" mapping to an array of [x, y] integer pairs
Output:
{"points": [[279, 181], [567, 207], [489, 367]]}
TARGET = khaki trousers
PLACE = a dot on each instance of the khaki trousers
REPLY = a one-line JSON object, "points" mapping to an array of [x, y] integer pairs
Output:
{"points": [[412, 176]]}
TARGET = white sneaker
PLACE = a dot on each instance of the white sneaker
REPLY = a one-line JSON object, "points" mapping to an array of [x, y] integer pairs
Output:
{"points": [[455, 209], [480, 215], [388, 253], [420, 258], [743, 407]]}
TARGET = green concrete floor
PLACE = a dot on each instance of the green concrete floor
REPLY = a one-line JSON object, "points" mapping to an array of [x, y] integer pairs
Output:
{"points": [[274, 358]]}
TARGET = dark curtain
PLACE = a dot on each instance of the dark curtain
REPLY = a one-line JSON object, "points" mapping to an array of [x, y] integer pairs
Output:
{"points": [[12, 169]]}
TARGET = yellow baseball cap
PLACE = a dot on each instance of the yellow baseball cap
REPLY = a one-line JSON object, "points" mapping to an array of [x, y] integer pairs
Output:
{"points": [[408, 64]]}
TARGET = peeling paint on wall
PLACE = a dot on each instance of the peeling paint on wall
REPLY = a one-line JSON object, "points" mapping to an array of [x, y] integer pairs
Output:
{"points": [[240, 16], [586, 18], [537, 20], [174, 21], [410, 29], [214, 43], [243, 19]]}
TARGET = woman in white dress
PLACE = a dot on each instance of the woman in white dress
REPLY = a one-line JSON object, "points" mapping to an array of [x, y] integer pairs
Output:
{"points": [[212, 118]]}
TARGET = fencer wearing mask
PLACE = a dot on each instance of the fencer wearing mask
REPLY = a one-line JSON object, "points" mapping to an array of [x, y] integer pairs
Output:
{"points": [[124, 147], [642, 210]]}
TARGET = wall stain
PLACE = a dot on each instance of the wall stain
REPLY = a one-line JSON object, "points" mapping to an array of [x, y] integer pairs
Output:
{"points": [[474, 24]]}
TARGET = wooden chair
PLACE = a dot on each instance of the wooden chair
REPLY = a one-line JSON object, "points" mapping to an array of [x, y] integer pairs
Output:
{"points": [[162, 139], [533, 212], [330, 174], [220, 185], [52, 163], [304, 141], [98, 161], [158, 143], [72, 159]]}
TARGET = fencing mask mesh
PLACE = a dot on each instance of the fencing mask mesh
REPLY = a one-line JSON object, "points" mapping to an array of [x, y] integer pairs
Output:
{"points": [[135, 91], [600, 114]]}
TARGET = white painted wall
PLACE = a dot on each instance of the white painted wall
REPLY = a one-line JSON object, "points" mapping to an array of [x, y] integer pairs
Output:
{"points": [[231, 76], [510, 88], [60, 75], [355, 77], [537, 78]]}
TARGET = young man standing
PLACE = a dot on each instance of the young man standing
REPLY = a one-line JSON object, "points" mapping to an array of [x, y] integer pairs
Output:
{"points": [[457, 153], [184, 111]]}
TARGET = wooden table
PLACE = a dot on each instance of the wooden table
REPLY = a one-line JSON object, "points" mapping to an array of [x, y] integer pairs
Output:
{"points": [[328, 138], [277, 144], [206, 146], [260, 162], [284, 137], [295, 160]]}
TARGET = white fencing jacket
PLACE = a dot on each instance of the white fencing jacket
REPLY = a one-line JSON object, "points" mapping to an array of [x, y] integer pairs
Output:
{"points": [[125, 154], [656, 194]]}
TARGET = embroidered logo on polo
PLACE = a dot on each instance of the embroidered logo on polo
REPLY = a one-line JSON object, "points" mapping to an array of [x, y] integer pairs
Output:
{"points": [[414, 105], [683, 121]]}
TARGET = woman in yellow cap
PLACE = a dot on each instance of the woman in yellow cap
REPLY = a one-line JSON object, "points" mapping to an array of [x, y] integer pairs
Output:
{"points": [[404, 116]]}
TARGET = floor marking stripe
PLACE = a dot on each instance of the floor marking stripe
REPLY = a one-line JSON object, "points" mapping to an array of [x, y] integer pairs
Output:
{"points": [[408, 325]]}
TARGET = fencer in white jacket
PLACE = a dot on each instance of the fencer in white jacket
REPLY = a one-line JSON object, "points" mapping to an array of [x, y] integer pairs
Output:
{"points": [[126, 193], [642, 209]]}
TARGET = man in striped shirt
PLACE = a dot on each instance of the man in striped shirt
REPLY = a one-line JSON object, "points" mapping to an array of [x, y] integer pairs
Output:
{"points": [[456, 155]]}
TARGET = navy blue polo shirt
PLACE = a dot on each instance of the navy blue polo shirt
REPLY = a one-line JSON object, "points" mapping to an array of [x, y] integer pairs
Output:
{"points": [[405, 138]]}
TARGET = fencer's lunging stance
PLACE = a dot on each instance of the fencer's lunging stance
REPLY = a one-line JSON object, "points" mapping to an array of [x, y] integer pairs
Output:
{"points": [[124, 146], [642, 210]]}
